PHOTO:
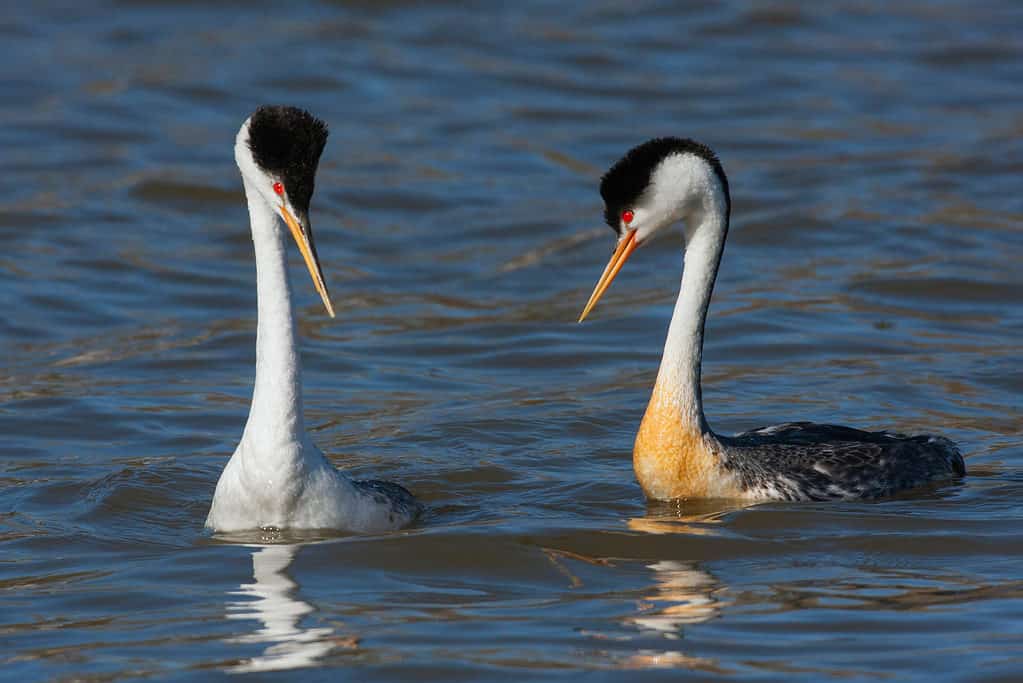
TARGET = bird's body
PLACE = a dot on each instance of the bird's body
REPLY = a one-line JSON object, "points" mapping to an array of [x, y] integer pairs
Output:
{"points": [[793, 461], [277, 477], [677, 455]]}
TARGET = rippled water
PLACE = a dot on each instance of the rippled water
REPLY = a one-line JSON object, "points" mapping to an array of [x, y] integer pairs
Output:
{"points": [[872, 278]]}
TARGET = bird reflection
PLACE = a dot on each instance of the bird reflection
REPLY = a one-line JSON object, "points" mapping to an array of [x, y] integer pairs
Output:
{"points": [[683, 593], [289, 645], [691, 517]]}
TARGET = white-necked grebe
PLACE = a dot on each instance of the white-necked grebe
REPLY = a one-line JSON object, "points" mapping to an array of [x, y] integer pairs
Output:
{"points": [[277, 477]]}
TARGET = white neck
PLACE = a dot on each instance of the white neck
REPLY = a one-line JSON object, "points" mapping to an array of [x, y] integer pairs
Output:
{"points": [[275, 418], [679, 375]]}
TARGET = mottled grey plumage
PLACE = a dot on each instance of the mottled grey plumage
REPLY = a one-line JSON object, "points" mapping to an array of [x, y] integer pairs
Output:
{"points": [[807, 461], [403, 504]]}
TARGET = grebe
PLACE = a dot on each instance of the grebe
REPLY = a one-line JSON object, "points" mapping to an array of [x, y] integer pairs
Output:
{"points": [[277, 477], [676, 454]]}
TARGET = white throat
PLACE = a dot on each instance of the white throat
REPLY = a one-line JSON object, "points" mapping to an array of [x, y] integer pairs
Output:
{"points": [[275, 418], [704, 209]]}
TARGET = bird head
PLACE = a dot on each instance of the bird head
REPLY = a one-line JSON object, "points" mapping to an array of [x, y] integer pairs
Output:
{"points": [[658, 183], [278, 150]]}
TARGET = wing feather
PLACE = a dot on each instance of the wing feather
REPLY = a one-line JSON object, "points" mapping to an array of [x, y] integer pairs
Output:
{"points": [[808, 461]]}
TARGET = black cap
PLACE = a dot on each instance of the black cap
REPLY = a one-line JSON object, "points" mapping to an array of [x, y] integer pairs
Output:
{"points": [[624, 183], [287, 142]]}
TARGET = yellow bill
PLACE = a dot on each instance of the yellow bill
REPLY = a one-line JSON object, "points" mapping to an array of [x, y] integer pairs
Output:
{"points": [[305, 245], [626, 246]]}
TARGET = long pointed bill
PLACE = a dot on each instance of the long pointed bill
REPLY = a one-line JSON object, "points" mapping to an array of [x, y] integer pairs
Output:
{"points": [[626, 246], [304, 240]]}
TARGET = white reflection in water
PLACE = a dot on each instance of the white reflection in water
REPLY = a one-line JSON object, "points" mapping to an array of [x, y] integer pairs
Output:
{"points": [[682, 594], [275, 605]]}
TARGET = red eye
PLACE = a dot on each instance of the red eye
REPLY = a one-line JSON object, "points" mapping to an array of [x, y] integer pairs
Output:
{"points": [[627, 216], [278, 188]]}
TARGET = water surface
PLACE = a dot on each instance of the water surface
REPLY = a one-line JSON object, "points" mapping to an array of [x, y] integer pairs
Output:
{"points": [[871, 278]]}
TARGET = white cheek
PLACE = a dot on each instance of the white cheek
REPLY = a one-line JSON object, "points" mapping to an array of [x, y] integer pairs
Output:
{"points": [[642, 223], [644, 233]]}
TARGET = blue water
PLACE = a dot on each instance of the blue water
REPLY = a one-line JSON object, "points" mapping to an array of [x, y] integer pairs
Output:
{"points": [[871, 278]]}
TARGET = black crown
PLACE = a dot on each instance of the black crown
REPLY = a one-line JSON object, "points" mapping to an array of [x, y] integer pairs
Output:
{"points": [[287, 142], [624, 182]]}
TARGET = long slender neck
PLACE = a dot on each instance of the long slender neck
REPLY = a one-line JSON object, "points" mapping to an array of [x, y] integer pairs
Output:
{"points": [[678, 380], [275, 417]]}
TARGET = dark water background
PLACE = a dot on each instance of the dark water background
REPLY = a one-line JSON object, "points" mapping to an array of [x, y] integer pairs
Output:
{"points": [[872, 277]]}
